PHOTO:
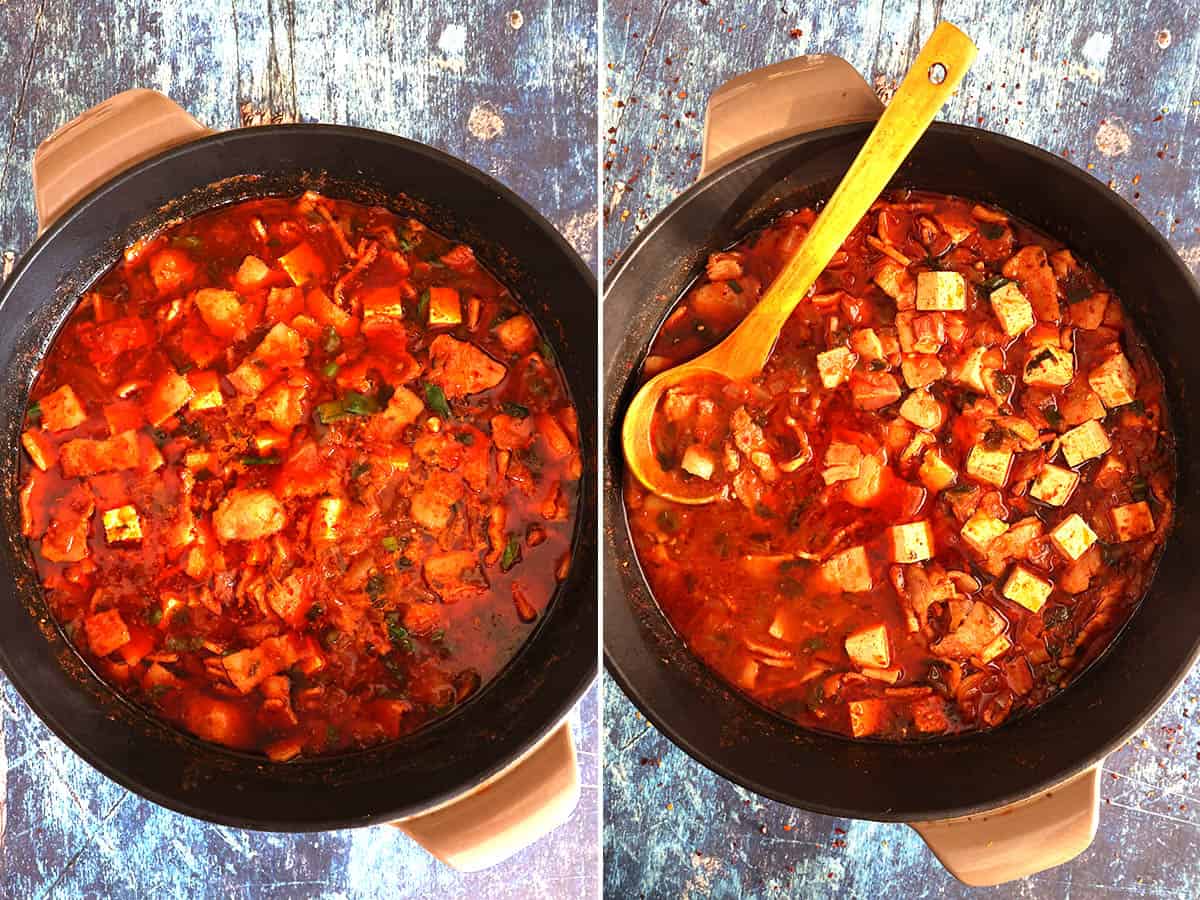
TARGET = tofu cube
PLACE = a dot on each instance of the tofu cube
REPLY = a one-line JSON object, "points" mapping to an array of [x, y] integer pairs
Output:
{"points": [[1089, 313], [866, 343], [921, 370], [868, 717], [1049, 367], [849, 570], [1131, 521], [382, 304], [990, 466], [1054, 485], [943, 291], [445, 306], [207, 387], [969, 370], [923, 410], [889, 676], [895, 281], [1114, 381], [999, 645], [868, 647], [122, 524], [1027, 589], [1012, 309], [1084, 442], [835, 365], [1072, 537], [935, 473], [327, 512], [911, 542], [698, 461], [61, 409], [843, 462], [981, 529]]}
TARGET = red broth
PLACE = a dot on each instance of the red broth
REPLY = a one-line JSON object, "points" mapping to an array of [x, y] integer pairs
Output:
{"points": [[300, 475], [942, 498]]}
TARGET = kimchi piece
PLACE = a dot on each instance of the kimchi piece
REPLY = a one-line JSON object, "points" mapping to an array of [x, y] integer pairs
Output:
{"points": [[944, 495], [300, 475]]}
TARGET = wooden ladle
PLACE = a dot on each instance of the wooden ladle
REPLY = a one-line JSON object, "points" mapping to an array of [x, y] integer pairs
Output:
{"points": [[937, 71]]}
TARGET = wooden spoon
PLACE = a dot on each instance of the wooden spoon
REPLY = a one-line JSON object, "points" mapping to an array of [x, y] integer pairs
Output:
{"points": [[934, 75]]}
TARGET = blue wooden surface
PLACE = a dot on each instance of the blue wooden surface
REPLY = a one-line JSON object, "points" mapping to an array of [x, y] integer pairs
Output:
{"points": [[506, 86], [1113, 87]]}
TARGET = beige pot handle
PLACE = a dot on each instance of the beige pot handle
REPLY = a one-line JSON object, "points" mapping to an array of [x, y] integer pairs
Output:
{"points": [[778, 101], [507, 813], [101, 143], [1021, 839]]}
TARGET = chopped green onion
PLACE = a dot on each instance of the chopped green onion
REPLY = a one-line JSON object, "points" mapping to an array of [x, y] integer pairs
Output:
{"points": [[423, 306], [376, 585], [34, 413], [330, 369], [261, 460], [546, 350], [734, 286], [465, 438], [511, 555], [358, 469], [391, 544], [357, 404], [155, 616], [330, 411], [435, 399], [332, 341], [187, 241], [516, 410], [991, 230], [995, 283]]}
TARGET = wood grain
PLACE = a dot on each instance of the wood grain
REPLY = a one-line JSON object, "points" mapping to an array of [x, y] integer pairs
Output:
{"points": [[1105, 85], [519, 103]]}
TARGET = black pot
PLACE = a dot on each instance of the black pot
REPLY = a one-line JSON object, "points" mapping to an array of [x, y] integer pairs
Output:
{"points": [[953, 776], [533, 693]]}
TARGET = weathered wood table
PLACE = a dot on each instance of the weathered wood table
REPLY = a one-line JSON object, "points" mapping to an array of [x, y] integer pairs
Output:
{"points": [[506, 86], [1113, 88]]}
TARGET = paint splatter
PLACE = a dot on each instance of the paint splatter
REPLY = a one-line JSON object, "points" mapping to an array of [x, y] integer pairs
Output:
{"points": [[1163, 39], [885, 88], [580, 231], [515, 20], [1191, 256], [485, 122], [452, 43], [251, 115], [1112, 139], [1095, 52], [9, 261]]}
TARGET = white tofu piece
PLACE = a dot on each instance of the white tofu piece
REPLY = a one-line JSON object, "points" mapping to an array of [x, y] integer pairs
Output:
{"points": [[866, 343], [990, 466], [999, 646], [122, 524], [888, 676], [922, 409], [1027, 589], [1072, 537], [921, 369], [698, 461], [843, 462], [942, 291], [1054, 485], [981, 529], [935, 473], [911, 542], [893, 279], [1084, 442], [1049, 367], [969, 370], [849, 570], [835, 365], [1114, 381], [1132, 521], [326, 514], [1012, 309], [868, 647]]}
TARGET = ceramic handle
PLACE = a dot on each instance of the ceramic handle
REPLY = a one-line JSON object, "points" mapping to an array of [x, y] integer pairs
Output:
{"points": [[101, 143], [1021, 839], [507, 813], [781, 100]]}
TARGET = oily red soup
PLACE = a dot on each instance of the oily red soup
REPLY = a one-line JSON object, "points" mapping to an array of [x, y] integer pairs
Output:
{"points": [[300, 475], [942, 498]]}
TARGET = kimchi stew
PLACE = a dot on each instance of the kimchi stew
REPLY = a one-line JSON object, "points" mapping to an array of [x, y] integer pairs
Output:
{"points": [[301, 475], [943, 496]]}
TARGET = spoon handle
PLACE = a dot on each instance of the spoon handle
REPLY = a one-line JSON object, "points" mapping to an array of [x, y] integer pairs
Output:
{"points": [[947, 54]]}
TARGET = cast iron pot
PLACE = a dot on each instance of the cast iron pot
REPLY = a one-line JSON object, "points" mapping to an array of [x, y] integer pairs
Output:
{"points": [[952, 777], [457, 753]]}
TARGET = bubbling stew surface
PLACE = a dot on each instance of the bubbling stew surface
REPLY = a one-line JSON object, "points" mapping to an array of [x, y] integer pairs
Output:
{"points": [[942, 498], [301, 475]]}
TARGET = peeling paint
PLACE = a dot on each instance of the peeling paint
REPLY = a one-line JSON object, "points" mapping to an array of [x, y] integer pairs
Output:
{"points": [[1112, 139], [485, 122]]}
